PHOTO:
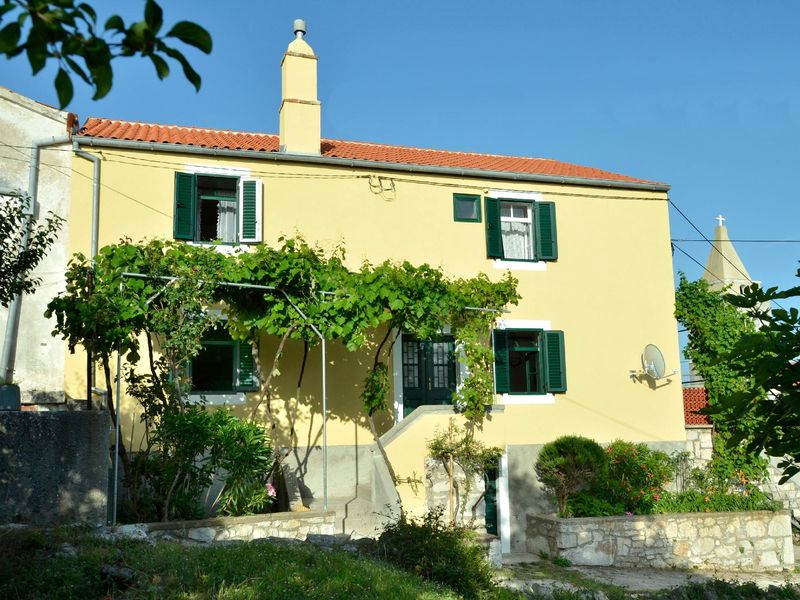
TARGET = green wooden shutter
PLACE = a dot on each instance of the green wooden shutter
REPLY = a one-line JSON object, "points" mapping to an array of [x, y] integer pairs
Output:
{"points": [[250, 206], [546, 241], [494, 241], [184, 213], [555, 372], [502, 374], [247, 379]]}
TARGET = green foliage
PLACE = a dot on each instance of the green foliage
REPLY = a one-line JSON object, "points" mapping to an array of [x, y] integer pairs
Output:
{"points": [[592, 504], [170, 571], [714, 326], [769, 359], [442, 553], [733, 468], [17, 263], [569, 464], [242, 451], [699, 501], [637, 475], [67, 32], [376, 388], [729, 590]]}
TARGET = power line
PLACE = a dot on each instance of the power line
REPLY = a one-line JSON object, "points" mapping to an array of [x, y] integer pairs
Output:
{"points": [[739, 241], [695, 261], [722, 254]]}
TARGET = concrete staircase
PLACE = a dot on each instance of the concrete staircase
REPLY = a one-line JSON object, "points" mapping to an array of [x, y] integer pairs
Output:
{"points": [[360, 491]]}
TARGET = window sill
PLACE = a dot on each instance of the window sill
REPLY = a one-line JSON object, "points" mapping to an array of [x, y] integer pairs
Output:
{"points": [[224, 248], [219, 398], [519, 265], [527, 399]]}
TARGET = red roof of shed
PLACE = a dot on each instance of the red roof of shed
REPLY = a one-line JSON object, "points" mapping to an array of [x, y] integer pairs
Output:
{"points": [[695, 398]]}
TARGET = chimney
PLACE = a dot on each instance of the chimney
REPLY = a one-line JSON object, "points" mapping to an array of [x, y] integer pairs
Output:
{"points": [[300, 110]]}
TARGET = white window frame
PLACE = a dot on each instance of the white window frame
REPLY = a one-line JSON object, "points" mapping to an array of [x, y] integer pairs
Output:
{"points": [[518, 265], [243, 175], [526, 399]]}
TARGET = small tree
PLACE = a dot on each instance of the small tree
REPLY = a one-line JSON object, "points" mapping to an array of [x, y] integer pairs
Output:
{"points": [[569, 464], [769, 358], [18, 259]]}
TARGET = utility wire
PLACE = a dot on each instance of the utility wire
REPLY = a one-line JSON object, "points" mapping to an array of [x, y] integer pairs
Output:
{"points": [[739, 241]]}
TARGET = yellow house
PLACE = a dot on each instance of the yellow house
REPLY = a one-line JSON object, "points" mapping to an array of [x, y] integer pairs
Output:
{"points": [[590, 249]]}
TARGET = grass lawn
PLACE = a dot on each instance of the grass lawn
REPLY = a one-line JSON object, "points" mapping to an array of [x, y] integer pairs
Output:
{"points": [[34, 564]]}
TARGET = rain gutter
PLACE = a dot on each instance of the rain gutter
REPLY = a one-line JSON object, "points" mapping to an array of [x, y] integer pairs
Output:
{"points": [[367, 164]]}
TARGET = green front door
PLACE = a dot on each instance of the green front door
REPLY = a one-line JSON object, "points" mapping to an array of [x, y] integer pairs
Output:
{"points": [[429, 372]]}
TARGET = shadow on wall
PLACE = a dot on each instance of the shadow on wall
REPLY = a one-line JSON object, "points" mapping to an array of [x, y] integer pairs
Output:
{"points": [[53, 467]]}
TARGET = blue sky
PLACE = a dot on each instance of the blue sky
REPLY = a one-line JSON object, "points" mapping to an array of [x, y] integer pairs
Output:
{"points": [[703, 95]]}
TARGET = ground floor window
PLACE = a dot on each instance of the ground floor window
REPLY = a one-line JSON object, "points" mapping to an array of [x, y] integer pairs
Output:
{"points": [[223, 364], [529, 361]]}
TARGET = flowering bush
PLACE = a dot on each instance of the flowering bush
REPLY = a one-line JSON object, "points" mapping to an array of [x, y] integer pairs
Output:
{"points": [[637, 475]]}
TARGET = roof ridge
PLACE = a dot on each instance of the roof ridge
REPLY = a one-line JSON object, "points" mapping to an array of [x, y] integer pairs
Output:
{"points": [[328, 139], [425, 149], [168, 126]]}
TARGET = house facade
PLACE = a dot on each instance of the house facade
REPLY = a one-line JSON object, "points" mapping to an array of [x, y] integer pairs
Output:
{"points": [[590, 249]]}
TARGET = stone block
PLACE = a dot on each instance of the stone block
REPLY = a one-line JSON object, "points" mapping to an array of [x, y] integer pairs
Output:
{"points": [[755, 529], [779, 526], [202, 534]]}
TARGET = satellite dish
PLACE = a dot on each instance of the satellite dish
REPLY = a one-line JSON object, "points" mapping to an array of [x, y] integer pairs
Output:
{"points": [[653, 362]]}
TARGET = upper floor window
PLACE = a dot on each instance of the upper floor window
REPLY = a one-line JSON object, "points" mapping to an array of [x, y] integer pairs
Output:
{"points": [[520, 229], [217, 208]]}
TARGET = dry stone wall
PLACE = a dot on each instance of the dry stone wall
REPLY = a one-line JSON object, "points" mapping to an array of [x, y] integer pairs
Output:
{"points": [[746, 541], [292, 525]]}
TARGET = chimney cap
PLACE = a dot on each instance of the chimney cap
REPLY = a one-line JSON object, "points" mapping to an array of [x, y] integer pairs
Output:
{"points": [[300, 28]]}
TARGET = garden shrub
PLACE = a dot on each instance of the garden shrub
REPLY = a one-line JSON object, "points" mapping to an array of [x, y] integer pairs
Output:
{"points": [[437, 551], [568, 465], [636, 475], [592, 504], [732, 468], [699, 501]]}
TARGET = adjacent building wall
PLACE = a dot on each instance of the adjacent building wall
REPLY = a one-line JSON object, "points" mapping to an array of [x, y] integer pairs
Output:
{"points": [[39, 358]]}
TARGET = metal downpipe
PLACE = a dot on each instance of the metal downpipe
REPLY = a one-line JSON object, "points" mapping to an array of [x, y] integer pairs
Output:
{"points": [[93, 253]]}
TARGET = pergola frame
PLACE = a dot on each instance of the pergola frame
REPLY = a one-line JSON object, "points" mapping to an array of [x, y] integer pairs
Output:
{"points": [[267, 288]]}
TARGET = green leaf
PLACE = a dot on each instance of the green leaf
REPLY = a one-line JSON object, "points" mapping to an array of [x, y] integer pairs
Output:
{"points": [[9, 37], [63, 88], [76, 68], [116, 23], [103, 77], [192, 34], [88, 10], [37, 55], [153, 16], [162, 68], [188, 71]]}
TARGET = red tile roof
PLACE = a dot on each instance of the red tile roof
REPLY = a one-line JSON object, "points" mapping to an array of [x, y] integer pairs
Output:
{"points": [[363, 151], [695, 398]]}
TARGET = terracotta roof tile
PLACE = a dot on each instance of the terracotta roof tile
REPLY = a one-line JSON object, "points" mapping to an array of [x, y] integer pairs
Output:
{"points": [[695, 398], [261, 142]]}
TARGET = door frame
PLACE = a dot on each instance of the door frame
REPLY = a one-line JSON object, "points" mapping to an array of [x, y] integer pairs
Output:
{"points": [[397, 371]]}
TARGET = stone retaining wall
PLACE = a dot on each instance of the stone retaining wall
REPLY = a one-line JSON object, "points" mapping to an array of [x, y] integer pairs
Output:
{"points": [[290, 525], [747, 541]]}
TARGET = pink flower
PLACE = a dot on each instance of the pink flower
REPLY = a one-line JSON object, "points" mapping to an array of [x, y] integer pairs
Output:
{"points": [[271, 490]]}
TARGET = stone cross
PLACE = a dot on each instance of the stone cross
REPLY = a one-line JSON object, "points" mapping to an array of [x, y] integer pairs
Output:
{"points": [[720, 219]]}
